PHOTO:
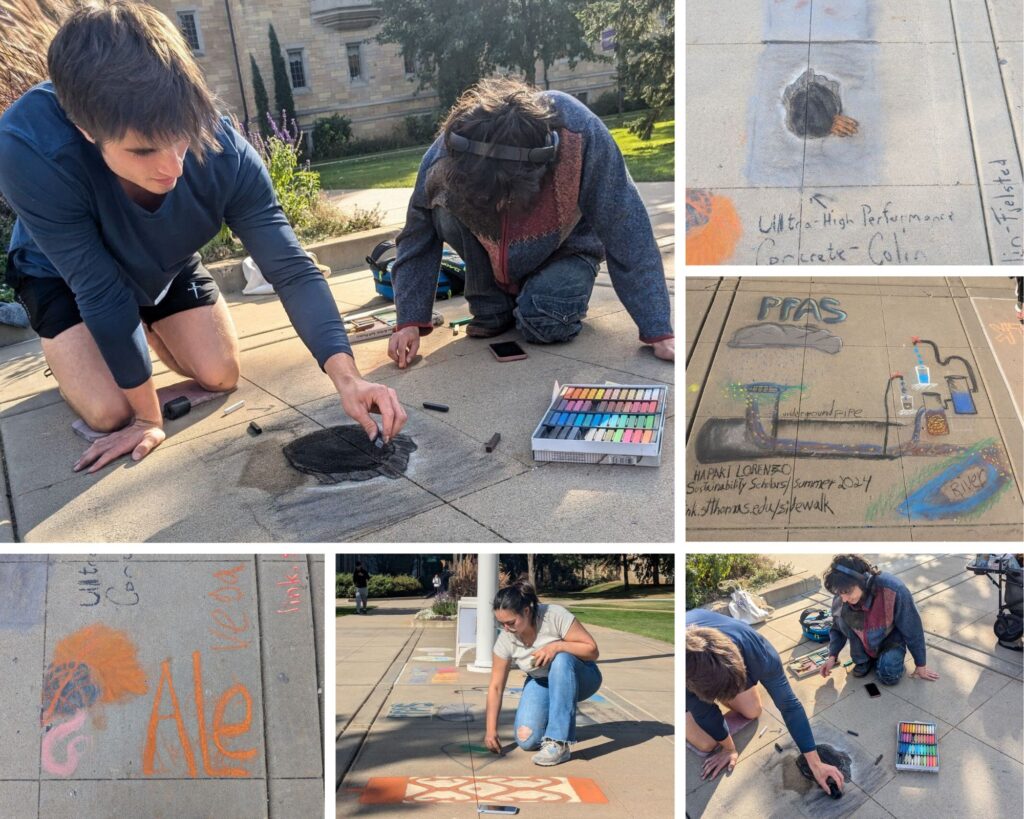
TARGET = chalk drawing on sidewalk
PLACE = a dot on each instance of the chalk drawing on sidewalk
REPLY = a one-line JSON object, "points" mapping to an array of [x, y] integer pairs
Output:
{"points": [[419, 676], [219, 730], [449, 674], [460, 752], [814, 108], [433, 658], [773, 335], [467, 789], [712, 227], [95, 665], [410, 710], [457, 712]]}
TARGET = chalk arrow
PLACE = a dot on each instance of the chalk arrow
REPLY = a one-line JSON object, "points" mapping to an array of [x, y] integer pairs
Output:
{"points": [[817, 198]]}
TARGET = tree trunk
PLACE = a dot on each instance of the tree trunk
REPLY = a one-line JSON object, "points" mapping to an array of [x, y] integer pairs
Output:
{"points": [[625, 571], [655, 561], [529, 571]]}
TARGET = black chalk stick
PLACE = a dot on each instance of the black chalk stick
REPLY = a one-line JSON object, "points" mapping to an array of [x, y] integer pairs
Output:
{"points": [[492, 444], [437, 407]]}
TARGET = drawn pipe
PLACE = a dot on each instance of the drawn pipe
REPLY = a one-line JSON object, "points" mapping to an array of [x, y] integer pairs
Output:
{"points": [[944, 362]]}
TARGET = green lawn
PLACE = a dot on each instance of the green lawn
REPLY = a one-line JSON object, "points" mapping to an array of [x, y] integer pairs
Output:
{"points": [[659, 625], [651, 161], [614, 590]]}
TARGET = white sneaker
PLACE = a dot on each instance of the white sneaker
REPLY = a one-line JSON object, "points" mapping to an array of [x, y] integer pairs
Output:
{"points": [[552, 753]]}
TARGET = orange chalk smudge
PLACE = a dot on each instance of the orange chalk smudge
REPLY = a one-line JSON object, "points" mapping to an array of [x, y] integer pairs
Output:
{"points": [[112, 661], [713, 241]]}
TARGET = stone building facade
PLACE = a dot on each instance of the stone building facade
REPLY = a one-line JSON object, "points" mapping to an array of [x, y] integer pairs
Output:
{"points": [[335, 64]]}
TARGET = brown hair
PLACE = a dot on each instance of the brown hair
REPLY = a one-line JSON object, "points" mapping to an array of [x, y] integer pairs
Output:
{"points": [[839, 582], [125, 66], [506, 112], [519, 597], [714, 666]]}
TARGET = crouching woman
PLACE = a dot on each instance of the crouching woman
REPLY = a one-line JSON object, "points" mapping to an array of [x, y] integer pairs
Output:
{"points": [[557, 654]]}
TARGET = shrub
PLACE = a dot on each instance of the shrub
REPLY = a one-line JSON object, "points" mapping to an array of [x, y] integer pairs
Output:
{"points": [[330, 136], [421, 129], [445, 606], [381, 585], [710, 576], [606, 104]]}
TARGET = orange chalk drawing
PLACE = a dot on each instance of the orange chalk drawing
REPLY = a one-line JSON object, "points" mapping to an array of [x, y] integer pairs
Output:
{"points": [[712, 228], [1007, 332], [95, 664], [844, 126], [221, 730]]}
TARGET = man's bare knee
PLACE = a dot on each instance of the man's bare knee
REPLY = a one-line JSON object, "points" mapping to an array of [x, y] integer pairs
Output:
{"points": [[751, 711], [218, 379], [107, 419], [705, 746]]}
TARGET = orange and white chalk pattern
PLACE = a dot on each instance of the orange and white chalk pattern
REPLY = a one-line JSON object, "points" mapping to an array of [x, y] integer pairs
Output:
{"points": [[382, 790]]}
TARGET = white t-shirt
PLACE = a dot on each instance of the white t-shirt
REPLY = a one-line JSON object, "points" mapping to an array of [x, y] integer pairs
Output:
{"points": [[553, 624]]}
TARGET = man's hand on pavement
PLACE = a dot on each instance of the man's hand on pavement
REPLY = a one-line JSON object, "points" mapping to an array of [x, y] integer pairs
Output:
{"points": [[404, 345], [138, 438], [718, 762]]}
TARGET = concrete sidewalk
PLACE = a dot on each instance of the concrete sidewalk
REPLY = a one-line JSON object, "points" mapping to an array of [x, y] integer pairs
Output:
{"points": [[211, 481], [854, 132], [976, 702], [409, 723], [806, 419], [161, 685]]}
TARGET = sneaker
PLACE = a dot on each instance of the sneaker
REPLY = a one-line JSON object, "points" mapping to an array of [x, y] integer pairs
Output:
{"points": [[552, 752], [863, 669]]}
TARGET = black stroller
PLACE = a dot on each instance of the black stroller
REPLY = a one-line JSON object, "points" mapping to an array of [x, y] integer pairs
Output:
{"points": [[1006, 574]]}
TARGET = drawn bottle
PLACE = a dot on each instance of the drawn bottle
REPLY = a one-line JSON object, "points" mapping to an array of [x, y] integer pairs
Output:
{"points": [[960, 392], [935, 414], [906, 399], [921, 371]]}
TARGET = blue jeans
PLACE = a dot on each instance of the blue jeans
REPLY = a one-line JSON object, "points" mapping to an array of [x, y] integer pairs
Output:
{"points": [[548, 705], [889, 664], [551, 303]]}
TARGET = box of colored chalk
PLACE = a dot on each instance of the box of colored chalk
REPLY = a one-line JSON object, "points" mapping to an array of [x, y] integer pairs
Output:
{"points": [[917, 747], [603, 424]]}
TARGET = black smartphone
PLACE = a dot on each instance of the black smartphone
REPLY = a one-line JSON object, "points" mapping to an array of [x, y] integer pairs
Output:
{"points": [[872, 690], [508, 351]]}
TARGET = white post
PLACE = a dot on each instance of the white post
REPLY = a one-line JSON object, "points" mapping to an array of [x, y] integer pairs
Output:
{"points": [[486, 588]]}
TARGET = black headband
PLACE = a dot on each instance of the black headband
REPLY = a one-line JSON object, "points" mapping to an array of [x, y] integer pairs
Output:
{"points": [[461, 145]]}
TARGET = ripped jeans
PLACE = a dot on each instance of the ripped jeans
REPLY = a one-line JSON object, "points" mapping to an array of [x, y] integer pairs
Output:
{"points": [[551, 302], [547, 709]]}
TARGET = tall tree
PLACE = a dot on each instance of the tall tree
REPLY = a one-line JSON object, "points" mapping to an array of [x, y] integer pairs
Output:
{"points": [[259, 91], [450, 42], [644, 42], [541, 31], [283, 100], [529, 571]]}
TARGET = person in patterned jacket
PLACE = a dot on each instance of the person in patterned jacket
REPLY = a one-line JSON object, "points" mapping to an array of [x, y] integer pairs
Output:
{"points": [[531, 190], [875, 611]]}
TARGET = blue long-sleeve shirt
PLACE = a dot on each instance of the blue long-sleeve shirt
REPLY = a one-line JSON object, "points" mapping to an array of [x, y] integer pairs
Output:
{"points": [[588, 206], [76, 222], [763, 666], [883, 617]]}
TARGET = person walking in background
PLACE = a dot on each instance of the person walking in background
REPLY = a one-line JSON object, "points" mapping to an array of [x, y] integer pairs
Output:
{"points": [[361, 580]]}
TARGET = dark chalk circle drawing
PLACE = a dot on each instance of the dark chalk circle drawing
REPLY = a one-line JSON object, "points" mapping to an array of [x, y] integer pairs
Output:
{"points": [[344, 453], [814, 108], [771, 334]]}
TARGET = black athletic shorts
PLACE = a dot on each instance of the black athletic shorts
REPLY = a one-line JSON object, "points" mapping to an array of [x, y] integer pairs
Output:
{"points": [[52, 308]]}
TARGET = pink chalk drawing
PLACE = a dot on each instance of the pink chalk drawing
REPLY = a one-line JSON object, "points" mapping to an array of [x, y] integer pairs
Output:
{"points": [[73, 751]]}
